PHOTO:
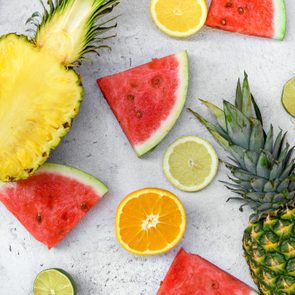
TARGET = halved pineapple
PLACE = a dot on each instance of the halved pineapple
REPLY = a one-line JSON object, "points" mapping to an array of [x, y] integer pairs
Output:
{"points": [[39, 92], [38, 101]]}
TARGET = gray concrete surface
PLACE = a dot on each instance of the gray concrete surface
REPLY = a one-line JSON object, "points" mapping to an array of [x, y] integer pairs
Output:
{"points": [[96, 144]]}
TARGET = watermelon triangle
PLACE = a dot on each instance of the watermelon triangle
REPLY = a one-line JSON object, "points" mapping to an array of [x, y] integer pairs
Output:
{"points": [[265, 18], [52, 202], [147, 100], [191, 274]]}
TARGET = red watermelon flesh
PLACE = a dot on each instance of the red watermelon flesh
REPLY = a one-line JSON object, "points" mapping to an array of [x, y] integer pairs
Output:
{"points": [[147, 100], [52, 202], [263, 18], [191, 274]]}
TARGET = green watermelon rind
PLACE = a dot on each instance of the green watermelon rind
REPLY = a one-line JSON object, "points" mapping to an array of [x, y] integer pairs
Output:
{"points": [[163, 131], [280, 19], [74, 173]]}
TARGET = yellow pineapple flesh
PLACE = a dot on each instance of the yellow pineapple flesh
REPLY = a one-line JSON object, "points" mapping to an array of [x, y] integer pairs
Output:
{"points": [[40, 93], [37, 103]]}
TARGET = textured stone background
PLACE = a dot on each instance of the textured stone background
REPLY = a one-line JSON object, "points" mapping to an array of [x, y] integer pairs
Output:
{"points": [[97, 145]]}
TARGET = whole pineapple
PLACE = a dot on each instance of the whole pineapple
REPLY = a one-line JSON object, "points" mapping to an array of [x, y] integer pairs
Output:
{"points": [[40, 93], [263, 175]]}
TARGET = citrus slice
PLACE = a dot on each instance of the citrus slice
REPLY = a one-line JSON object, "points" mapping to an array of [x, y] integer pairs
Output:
{"points": [[288, 97], [150, 221], [54, 282], [179, 18], [190, 163]]}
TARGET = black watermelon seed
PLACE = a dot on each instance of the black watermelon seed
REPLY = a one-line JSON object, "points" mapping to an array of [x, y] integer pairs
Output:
{"points": [[157, 81], [241, 10], [39, 217], [130, 97], [138, 114], [84, 207]]}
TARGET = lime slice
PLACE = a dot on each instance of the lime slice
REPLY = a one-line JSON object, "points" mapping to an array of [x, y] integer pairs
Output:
{"points": [[288, 97], [190, 163], [54, 282]]}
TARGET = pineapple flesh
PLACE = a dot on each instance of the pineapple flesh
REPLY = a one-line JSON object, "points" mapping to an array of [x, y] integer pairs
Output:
{"points": [[263, 176], [40, 93]]}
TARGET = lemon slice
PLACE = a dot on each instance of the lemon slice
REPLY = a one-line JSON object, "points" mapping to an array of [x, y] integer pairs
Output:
{"points": [[150, 221], [190, 163], [179, 18], [288, 97]]}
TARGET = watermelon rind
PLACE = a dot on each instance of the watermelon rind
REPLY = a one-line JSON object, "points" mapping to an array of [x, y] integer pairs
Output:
{"points": [[280, 19], [168, 124], [81, 176]]}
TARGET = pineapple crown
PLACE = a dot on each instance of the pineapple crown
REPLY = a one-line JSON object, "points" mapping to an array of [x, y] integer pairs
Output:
{"points": [[70, 28], [262, 168]]}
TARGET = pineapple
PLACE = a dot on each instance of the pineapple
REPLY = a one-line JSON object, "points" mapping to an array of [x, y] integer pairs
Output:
{"points": [[263, 175], [40, 93]]}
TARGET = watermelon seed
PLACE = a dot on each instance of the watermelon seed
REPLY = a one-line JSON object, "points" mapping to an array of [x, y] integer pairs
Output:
{"points": [[241, 10], [138, 114], [84, 207], [39, 217], [64, 216], [214, 285], [223, 22], [228, 5], [130, 97], [156, 81]]}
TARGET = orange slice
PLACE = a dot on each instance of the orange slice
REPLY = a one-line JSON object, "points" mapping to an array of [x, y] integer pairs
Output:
{"points": [[150, 221], [179, 18]]}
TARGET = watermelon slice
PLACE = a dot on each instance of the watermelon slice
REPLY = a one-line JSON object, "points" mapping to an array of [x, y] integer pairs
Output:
{"points": [[53, 201], [190, 274], [263, 18], [147, 100]]}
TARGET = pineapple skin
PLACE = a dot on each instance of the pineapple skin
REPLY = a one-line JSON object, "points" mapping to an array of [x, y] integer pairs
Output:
{"points": [[269, 249], [263, 176]]}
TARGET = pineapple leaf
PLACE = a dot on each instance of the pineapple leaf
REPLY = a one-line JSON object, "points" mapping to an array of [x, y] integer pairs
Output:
{"points": [[257, 110], [74, 25], [239, 96], [278, 144], [238, 125], [247, 102], [217, 112], [276, 170], [257, 136], [217, 132], [268, 146], [238, 172], [238, 153], [250, 160], [284, 153], [263, 166], [258, 184], [270, 186], [283, 185]]}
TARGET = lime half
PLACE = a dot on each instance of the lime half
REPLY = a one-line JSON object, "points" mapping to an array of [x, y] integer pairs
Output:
{"points": [[54, 282], [288, 97], [190, 163]]}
